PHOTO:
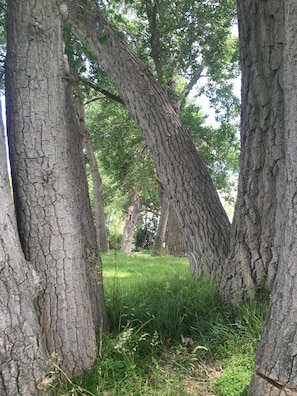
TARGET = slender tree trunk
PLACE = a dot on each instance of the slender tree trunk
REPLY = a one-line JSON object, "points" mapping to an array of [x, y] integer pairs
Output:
{"points": [[276, 363], [256, 236], [189, 187], [23, 363], [160, 235], [130, 223], [96, 179], [49, 181]]}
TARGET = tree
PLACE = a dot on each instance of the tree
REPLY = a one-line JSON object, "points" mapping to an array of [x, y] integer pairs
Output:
{"points": [[276, 367], [187, 40], [49, 184], [130, 224], [256, 235], [123, 156], [163, 221], [172, 59], [167, 139], [101, 231]]}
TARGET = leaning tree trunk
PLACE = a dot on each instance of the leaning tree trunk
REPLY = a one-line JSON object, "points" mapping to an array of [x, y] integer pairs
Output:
{"points": [[130, 224], [23, 363], [188, 185], [49, 182], [255, 238], [276, 363]]}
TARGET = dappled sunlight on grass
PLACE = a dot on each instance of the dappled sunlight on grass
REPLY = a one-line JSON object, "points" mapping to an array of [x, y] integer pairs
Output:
{"points": [[118, 274]]}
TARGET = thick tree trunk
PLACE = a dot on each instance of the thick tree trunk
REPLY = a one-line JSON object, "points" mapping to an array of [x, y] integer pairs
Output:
{"points": [[162, 226], [130, 224], [190, 189], [96, 179], [276, 363], [49, 181], [256, 239], [23, 363]]}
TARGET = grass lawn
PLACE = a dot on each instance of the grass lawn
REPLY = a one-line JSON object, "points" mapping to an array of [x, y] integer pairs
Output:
{"points": [[170, 333]]}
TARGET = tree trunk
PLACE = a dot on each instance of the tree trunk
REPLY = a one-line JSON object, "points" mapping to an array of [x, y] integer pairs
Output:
{"points": [[188, 185], [175, 245], [256, 236], [101, 233], [161, 232], [130, 223], [276, 363], [50, 190], [23, 363]]}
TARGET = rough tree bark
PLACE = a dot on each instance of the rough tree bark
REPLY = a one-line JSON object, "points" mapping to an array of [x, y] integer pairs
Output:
{"points": [[190, 189], [23, 363], [130, 223], [256, 237], [50, 190], [175, 244], [276, 363]]}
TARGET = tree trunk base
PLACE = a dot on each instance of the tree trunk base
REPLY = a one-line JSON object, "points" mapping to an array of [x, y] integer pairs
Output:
{"points": [[264, 386]]}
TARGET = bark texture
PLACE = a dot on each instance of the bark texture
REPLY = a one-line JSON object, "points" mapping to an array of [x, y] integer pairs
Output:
{"points": [[22, 362], [256, 237], [49, 182], [130, 224], [276, 363], [201, 217], [175, 244]]}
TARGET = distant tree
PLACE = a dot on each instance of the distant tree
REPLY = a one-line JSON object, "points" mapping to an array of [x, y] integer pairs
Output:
{"points": [[163, 222], [123, 156], [100, 224], [130, 224]]}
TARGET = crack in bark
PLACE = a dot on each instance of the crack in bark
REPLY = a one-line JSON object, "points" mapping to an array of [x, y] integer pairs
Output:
{"points": [[274, 383], [277, 384]]}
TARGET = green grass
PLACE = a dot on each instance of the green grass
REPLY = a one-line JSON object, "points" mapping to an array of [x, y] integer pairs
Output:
{"points": [[170, 333]]}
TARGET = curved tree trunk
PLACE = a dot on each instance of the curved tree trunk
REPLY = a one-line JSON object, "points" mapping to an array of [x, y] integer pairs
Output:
{"points": [[276, 363], [161, 231], [50, 190], [189, 187], [96, 179], [23, 363], [256, 236], [130, 224]]}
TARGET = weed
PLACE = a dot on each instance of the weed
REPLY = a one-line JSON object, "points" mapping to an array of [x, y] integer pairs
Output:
{"points": [[236, 375]]}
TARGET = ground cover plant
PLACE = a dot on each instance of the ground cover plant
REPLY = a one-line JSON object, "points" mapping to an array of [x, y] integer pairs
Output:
{"points": [[170, 333]]}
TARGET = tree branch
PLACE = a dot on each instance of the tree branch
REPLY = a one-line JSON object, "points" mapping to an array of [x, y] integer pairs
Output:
{"points": [[106, 93]]}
